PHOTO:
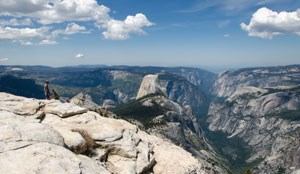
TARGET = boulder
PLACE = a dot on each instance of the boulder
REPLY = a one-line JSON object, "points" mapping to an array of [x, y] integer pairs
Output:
{"points": [[63, 109], [19, 105], [45, 158], [85, 101]]}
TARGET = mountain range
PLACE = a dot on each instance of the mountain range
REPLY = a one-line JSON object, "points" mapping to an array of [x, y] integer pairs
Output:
{"points": [[245, 120]]}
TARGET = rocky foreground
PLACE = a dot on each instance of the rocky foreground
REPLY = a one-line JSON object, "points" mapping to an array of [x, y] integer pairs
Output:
{"points": [[47, 136]]}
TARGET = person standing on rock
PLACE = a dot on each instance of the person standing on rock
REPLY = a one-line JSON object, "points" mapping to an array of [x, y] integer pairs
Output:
{"points": [[46, 90]]}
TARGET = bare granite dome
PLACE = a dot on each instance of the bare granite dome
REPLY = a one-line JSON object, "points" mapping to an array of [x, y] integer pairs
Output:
{"points": [[47, 136]]}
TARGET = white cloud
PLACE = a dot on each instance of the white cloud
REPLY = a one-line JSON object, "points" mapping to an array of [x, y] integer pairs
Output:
{"points": [[79, 55], [48, 42], [266, 23], [3, 59], [16, 22], [121, 30], [50, 12], [8, 33], [57, 11], [72, 28]]}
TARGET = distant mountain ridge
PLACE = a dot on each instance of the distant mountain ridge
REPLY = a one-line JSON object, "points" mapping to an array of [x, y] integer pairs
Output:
{"points": [[119, 83]]}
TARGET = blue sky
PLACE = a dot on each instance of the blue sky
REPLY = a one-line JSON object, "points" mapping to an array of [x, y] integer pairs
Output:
{"points": [[230, 33]]}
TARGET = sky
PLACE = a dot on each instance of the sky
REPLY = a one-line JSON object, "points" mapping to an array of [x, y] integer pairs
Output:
{"points": [[206, 33]]}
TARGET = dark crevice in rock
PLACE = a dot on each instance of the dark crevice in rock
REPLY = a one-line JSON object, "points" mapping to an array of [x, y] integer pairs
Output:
{"points": [[149, 168], [21, 147], [80, 167], [41, 117]]}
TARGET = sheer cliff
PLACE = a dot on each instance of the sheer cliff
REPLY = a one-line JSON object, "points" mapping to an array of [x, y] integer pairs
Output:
{"points": [[260, 107]]}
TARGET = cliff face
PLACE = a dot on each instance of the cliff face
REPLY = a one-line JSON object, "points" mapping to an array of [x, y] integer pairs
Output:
{"points": [[47, 136], [229, 81], [149, 86], [168, 99], [265, 116], [176, 88], [198, 77]]}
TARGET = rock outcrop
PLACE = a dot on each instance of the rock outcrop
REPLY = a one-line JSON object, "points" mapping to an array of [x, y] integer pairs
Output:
{"points": [[175, 87], [267, 120], [149, 86], [46, 136], [180, 126], [85, 101]]}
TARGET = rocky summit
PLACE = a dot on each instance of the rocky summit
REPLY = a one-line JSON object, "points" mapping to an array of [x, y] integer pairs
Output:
{"points": [[47, 136]]}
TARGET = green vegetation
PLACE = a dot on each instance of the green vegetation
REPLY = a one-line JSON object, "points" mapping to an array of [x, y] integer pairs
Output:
{"points": [[137, 111], [248, 171], [234, 150], [290, 115], [247, 96], [281, 170]]}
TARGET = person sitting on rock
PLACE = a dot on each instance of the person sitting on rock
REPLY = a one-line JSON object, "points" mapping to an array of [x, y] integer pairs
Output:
{"points": [[55, 95], [46, 90]]}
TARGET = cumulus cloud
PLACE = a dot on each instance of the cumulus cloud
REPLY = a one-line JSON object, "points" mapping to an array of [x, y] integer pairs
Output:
{"points": [[57, 11], [72, 28], [8, 33], [120, 30], [266, 23], [79, 55], [50, 12]]}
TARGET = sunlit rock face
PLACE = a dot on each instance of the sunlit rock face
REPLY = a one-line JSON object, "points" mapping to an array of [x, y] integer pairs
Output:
{"points": [[47, 136]]}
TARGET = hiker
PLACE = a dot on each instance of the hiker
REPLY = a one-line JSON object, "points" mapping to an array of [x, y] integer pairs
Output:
{"points": [[46, 90]]}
